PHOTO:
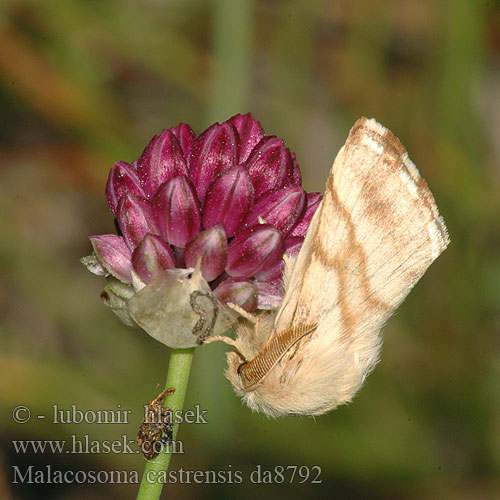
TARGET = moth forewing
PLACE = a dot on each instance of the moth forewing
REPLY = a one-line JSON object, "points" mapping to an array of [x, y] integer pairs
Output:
{"points": [[373, 236]]}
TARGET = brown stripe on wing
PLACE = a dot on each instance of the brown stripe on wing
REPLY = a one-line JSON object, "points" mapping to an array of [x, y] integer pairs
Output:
{"points": [[395, 153], [338, 263]]}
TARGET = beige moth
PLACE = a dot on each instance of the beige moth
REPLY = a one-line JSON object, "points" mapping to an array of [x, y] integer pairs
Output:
{"points": [[373, 236]]}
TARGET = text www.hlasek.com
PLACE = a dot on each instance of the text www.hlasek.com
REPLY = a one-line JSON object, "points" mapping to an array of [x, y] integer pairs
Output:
{"points": [[85, 445]]}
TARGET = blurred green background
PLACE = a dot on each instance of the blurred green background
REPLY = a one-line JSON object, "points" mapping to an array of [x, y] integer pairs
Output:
{"points": [[84, 83]]}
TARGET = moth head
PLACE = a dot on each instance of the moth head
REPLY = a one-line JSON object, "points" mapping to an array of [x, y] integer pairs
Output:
{"points": [[252, 333], [258, 398], [234, 363]]}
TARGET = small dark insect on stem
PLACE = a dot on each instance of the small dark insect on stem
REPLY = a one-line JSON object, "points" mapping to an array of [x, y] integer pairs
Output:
{"points": [[157, 420]]}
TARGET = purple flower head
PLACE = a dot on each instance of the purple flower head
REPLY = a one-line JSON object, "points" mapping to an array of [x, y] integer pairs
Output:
{"points": [[228, 202]]}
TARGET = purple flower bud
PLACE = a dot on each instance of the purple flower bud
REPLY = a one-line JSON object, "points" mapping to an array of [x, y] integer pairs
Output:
{"points": [[185, 136], [274, 274], [238, 291], [152, 256], [269, 296], [136, 219], [114, 255], [122, 179], [282, 208], [229, 200], [254, 249], [161, 160], [211, 246], [177, 211], [296, 176], [269, 165], [215, 150], [313, 201], [250, 132], [293, 245]]}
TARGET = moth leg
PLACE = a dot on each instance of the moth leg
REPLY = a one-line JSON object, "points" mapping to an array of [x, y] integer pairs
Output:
{"points": [[242, 312], [220, 338]]}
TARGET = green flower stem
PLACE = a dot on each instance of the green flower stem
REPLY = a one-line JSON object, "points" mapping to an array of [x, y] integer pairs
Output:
{"points": [[177, 377], [232, 57]]}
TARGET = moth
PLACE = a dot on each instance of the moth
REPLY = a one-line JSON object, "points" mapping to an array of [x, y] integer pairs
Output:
{"points": [[157, 420], [373, 236]]}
